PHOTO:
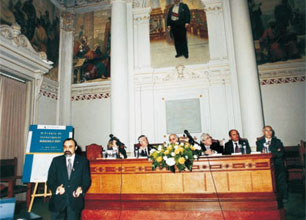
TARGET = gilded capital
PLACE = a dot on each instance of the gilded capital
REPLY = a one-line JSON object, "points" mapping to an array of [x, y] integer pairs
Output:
{"points": [[67, 21], [212, 5], [141, 3]]}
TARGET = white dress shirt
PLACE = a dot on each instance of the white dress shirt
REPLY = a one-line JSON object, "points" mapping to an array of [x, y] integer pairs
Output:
{"points": [[175, 10], [268, 140]]}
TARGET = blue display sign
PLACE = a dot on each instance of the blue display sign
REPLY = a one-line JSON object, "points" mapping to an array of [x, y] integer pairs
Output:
{"points": [[47, 138], [44, 143]]}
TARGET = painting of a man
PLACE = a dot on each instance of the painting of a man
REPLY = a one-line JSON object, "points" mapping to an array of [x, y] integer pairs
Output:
{"points": [[178, 33], [178, 20]]}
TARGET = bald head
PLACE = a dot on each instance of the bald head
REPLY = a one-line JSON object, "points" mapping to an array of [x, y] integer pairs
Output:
{"points": [[173, 138]]}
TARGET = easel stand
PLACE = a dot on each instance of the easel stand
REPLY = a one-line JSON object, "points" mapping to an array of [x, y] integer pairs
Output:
{"points": [[34, 194]]}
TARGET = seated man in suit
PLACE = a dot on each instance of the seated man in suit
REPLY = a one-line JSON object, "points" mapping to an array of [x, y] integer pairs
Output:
{"points": [[270, 144], [173, 139], [68, 179], [209, 146], [236, 144], [145, 147]]}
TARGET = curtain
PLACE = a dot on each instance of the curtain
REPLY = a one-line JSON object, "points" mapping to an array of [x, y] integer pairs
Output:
{"points": [[12, 123]]}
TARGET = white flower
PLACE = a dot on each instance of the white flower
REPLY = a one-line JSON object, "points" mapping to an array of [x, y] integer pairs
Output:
{"points": [[182, 144], [160, 147], [170, 161], [172, 154], [165, 157], [195, 156], [176, 146], [197, 147], [186, 157], [152, 151]]}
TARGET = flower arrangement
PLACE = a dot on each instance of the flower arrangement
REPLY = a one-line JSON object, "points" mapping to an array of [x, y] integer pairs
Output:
{"points": [[170, 156]]}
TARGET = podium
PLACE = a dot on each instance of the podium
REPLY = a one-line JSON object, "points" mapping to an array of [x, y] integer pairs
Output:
{"points": [[220, 187]]}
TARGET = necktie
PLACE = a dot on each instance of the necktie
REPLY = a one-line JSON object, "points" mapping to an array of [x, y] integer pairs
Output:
{"points": [[144, 152], [69, 168], [236, 148], [268, 144]]}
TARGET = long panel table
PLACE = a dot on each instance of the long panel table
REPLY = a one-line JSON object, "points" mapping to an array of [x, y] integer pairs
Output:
{"points": [[219, 187]]}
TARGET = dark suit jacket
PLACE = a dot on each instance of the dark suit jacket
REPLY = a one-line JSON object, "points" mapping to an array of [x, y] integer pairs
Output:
{"points": [[184, 15], [276, 148], [229, 148], [215, 146], [150, 147], [58, 175]]}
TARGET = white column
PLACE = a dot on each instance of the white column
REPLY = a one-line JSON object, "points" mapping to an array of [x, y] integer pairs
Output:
{"points": [[65, 69], [141, 18], [130, 37], [119, 71], [248, 80], [214, 10]]}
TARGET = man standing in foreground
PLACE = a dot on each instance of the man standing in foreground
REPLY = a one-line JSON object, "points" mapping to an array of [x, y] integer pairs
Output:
{"points": [[177, 21], [270, 144], [68, 179]]}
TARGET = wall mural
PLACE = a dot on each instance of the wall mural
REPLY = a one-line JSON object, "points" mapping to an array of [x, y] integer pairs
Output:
{"points": [[91, 54], [39, 22], [278, 28], [168, 46]]}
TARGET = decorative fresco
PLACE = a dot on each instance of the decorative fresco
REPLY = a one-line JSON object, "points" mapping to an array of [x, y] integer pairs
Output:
{"points": [[167, 48], [91, 54], [278, 28], [39, 22]]}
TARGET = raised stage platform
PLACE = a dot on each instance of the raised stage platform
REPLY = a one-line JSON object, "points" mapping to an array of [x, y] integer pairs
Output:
{"points": [[221, 187]]}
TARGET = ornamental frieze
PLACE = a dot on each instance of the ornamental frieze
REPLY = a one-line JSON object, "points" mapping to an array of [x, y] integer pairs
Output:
{"points": [[212, 6], [91, 92]]}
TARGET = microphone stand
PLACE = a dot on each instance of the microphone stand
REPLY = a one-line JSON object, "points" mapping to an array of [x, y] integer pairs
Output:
{"points": [[215, 187], [192, 142], [120, 146]]}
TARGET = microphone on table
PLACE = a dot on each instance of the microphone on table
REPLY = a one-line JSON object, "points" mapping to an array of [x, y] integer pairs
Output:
{"points": [[190, 138], [119, 144]]}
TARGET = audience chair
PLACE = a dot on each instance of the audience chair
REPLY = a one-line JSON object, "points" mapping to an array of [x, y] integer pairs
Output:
{"points": [[8, 177], [293, 163]]}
